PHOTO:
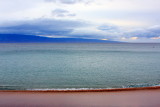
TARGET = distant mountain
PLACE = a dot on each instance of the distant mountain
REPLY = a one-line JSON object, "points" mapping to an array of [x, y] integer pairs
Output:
{"points": [[19, 38]]}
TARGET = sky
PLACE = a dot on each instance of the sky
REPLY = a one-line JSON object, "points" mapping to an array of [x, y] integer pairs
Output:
{"points": [[118, 20]]}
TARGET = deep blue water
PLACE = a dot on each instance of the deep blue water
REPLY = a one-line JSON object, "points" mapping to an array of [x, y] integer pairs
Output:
{"points": [[74, 66]]}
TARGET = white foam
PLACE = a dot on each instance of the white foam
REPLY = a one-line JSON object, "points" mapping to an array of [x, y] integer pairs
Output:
{"points": [[65, 89]]}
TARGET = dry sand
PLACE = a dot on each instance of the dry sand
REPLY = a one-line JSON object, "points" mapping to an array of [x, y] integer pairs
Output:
{"points": [[124, 98]]}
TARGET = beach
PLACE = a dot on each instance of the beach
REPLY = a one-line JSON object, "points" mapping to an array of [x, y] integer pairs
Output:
{"points": [[139, 97]]}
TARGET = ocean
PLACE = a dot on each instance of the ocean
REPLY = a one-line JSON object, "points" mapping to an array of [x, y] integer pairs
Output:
{"points": [[76, 66]]}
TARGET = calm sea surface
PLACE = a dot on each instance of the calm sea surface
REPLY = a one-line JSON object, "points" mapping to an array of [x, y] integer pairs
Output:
{"points": [[45, 66]]}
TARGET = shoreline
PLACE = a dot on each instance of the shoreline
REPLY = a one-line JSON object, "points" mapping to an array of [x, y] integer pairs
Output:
{"points": [[87, 90], [139, 97]]}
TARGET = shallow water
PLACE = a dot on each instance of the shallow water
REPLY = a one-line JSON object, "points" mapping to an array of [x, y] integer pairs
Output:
{"points": [[78, 66]]}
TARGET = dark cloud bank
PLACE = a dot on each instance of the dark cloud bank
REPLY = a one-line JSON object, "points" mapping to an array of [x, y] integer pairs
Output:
{"points": [[41, 27], [65, 28], [32, 31]]}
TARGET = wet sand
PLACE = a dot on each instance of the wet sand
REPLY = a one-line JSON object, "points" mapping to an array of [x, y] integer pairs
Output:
{"points": [[141, 97]]}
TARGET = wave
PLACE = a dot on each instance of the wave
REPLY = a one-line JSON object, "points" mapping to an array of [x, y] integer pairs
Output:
{"points": [[137, 86], [140, 85], [131, 86], [63, 89], [92, 90]]}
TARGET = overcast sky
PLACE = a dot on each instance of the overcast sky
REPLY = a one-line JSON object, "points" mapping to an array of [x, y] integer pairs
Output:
{"points": [[120, 20]]}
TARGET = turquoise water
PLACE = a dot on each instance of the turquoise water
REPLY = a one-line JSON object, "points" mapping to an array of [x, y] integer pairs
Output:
{"points": [[78, 66]]}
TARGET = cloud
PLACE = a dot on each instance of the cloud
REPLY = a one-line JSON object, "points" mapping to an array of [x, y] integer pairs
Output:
{"points": [[56, 28], [108, 28], [42, 27], [155, 29], [69, 1], [150, 34], [155, 38], [134, 38], [62, 13], [118, 33], [104, 39]]}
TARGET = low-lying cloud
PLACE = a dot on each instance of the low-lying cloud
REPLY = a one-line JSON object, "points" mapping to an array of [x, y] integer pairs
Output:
{"points": [[41, 27], [79, 29]]}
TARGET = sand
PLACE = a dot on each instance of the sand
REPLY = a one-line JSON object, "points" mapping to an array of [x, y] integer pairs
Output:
{"points": [[124, 98]]}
